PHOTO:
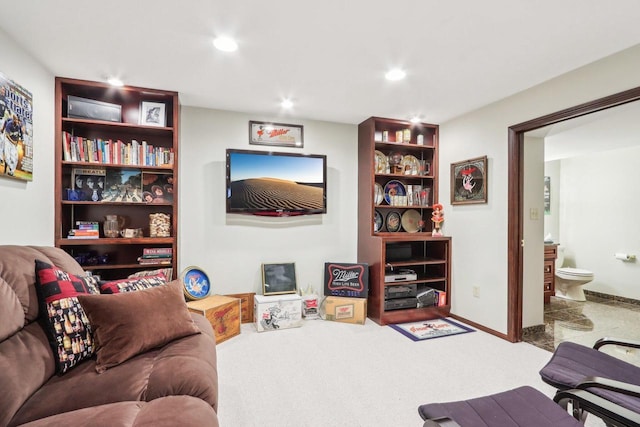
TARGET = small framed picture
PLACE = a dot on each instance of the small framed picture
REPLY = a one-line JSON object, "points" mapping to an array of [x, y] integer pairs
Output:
{"points": [[469, 181], [279, 279], [153, 113]]}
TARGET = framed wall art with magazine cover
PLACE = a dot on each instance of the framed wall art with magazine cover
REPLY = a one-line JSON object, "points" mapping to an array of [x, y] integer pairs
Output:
{"points": [[469, 181], [16, 130]]}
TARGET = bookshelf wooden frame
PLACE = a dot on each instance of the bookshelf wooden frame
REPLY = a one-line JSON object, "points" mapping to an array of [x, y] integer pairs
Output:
{"points": [[122, 253], [386, 251]]}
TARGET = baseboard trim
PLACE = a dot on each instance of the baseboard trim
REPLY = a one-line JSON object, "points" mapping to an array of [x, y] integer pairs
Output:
{"points": [[611, 297], [480, 327], [532, 330]]}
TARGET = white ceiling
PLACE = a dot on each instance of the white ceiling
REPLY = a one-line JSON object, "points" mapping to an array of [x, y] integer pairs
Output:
{"points": [[328, 56]]}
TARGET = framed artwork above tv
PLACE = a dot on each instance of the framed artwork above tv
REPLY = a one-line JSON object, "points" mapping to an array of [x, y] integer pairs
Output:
{"points": [[275, 184]]}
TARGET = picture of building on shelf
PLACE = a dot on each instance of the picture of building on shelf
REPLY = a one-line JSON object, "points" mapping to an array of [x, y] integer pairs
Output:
{"points": [[157, 187], [123, 186]]}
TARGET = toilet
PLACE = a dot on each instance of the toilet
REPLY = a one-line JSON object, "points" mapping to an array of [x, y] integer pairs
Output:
{"points": [[569, 281]]}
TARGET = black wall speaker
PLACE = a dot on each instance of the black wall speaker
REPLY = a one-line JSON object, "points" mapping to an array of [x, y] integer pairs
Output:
{"points": [[83, 108]]}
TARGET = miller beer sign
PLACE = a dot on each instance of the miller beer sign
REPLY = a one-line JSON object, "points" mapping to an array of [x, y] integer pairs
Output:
{"points": [[346, 280]]}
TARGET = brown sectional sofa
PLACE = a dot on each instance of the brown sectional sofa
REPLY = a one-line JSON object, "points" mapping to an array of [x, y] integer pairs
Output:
{"points": [[174, 385]]}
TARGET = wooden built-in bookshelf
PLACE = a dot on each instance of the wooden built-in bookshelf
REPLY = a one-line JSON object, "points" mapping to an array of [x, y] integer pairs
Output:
{"points": [[115, 150]]}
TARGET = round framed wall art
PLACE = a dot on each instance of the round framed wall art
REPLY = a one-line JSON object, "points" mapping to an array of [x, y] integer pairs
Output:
{"points": [[195, 283]]}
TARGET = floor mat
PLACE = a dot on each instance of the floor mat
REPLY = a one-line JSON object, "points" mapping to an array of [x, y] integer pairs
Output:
{"points": [[427, 329]]}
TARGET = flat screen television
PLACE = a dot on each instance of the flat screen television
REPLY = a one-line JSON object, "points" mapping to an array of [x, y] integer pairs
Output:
{"points": [[276, 184]]}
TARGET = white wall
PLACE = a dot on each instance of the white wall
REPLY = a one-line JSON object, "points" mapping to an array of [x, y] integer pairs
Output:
{"points": [[26, 215], [479, 251], [231, 248], [533, 208], [599, 216]]}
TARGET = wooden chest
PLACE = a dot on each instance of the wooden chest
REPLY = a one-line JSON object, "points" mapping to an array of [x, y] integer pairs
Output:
{"points": [[222, 312], [246, 306]]}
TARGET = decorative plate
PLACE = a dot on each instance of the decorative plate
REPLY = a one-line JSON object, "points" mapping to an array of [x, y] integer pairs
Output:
{"points": [[410, 165], [393, 221], [378, 221], [411, 221], [379, 194], [195, 283], [381, 162], [394, 188]]}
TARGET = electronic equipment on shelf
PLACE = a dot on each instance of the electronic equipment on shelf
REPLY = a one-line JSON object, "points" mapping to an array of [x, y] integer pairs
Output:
{"points": [[400, 291], [400, 303], [401, 275], [427, 298]]}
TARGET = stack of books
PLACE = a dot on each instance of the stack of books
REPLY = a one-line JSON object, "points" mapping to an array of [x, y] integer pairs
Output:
{"points": [[85, 230], [154, 256]]}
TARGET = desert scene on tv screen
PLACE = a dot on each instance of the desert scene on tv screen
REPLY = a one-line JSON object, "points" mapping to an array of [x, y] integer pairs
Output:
{"points": [[272, 183]]}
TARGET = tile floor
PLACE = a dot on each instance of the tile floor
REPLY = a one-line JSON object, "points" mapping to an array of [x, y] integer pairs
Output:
{"points": [[586, 322]]}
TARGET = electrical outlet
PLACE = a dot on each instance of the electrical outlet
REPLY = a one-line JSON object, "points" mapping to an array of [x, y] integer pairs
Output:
{"points": [[476, 291]]}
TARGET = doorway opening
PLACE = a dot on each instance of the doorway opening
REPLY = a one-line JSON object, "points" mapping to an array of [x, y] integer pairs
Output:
{"points": [[515, 238]]}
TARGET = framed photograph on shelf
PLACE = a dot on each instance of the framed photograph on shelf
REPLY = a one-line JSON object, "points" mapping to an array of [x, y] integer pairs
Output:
{"points": [[87, 184], [157, 187], [153, 113], [276, 134], [469, 181], [279, 279], [123, 185]]}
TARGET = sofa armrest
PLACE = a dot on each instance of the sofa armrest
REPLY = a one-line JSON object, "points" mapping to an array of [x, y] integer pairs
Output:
{"points": [[184, 411]]}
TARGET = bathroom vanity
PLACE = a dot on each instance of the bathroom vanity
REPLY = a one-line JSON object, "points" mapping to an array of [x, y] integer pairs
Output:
{"points": [[550, 255]]}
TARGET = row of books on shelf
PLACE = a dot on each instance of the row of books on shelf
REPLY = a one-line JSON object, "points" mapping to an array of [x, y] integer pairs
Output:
{"points": [[79, 149], [154, 256]]}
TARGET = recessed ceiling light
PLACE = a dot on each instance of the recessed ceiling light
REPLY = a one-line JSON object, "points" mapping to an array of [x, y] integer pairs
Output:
{"points": [[415, 119], [114, 81], [395, 74], [286, 103], [225, 44]]}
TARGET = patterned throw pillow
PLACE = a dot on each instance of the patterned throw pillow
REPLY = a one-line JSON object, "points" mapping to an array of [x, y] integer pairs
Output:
{"points": [[129, 285], [66, 323]]}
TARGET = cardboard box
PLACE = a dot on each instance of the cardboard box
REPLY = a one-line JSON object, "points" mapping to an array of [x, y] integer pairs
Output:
{"points": [[274, 312], [346, 280], [348, 310], [222, 312]]}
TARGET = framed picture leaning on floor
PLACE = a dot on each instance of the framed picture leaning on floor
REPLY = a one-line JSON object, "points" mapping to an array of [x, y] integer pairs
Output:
{"points": [[279, 279]]}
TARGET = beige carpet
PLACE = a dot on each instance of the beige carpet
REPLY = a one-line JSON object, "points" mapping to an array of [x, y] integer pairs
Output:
{"points": [[333, 374]]}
